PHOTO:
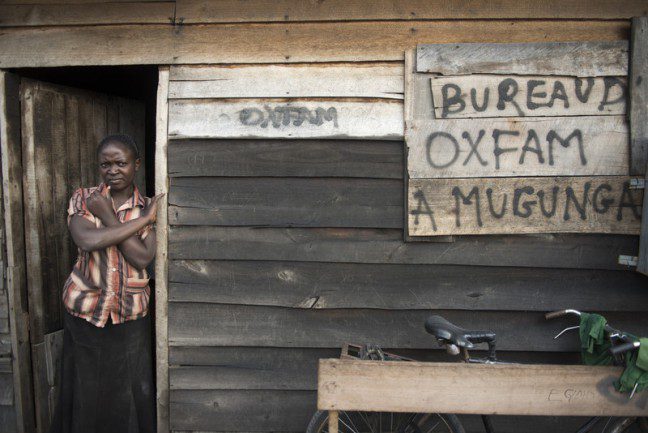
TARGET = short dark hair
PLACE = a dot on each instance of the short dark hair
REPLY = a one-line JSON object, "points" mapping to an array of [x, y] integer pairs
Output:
{"points": [[124, 139]]}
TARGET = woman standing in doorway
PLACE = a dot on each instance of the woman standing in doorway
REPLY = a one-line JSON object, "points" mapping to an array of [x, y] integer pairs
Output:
{"points": [[107, 380]]}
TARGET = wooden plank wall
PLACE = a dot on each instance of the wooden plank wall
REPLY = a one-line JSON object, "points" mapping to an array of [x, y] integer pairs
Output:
{"points": [[281, 249]]}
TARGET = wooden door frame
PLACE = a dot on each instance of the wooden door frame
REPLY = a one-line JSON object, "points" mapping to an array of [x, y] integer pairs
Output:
{"points": [[11, 154], [161, 258]]}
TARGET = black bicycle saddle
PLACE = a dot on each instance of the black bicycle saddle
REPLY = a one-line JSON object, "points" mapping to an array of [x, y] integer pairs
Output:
{"points": [[442, 329]]}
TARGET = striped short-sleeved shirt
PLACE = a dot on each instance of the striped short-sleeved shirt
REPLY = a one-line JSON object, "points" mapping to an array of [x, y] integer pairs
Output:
{"points": [[102, 283]]}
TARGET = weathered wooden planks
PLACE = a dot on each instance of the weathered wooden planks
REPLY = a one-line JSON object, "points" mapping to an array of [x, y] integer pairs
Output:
{"points": [[276, 202], [511, 96], [232, 411], [547, 58], [394, 287], [210, 421], [568, 146], [66, 2], [6, 389], [386, 246], [250, 357], [472, 388], [272, 43], [41, 249], [369, 80], [268, 368], [194, 324], [602, 204], [147, 12], [5, 345], [298, 377], [10, 140], [279, 158], [8, 419], [191, 118], [4, 311], [261, 358], [203, 11], [34, 235]]}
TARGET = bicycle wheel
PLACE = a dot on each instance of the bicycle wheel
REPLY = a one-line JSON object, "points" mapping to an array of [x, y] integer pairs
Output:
{"points": [[628, 425], [387, 422]]}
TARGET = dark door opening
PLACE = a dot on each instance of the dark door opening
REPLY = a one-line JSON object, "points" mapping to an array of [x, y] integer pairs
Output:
{"points": [[64, 113]]}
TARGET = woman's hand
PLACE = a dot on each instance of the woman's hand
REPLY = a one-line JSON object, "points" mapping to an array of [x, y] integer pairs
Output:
{"points": [[100, 206], [150, 211]]}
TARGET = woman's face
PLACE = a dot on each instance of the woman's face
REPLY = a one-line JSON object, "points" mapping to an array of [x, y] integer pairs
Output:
{"points": [[117, 165]]}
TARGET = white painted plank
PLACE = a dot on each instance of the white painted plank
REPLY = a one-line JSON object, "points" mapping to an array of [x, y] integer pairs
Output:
{"points": [[580, 59], [529, 146], [472, 96], [523, 205], [287, 81], [298, 119]]}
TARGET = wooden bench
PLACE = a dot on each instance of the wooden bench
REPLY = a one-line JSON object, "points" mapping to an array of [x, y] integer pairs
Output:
{"points": [[424, 387]]}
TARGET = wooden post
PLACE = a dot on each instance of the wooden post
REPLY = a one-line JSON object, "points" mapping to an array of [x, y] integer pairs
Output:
{"points": [[333, 421], [16, 275], [638, 88], [638, 111], [161, 264]]}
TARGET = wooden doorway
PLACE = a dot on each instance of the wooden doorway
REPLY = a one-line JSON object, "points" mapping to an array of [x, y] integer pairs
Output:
{"points": [[60, 128]]}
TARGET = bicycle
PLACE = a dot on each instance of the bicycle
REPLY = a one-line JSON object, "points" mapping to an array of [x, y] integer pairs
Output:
{"points": [[457, 342]]}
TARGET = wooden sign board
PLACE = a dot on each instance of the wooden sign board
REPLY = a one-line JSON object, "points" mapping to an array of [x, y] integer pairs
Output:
{"points": [[600, 204], [258, 118], [533, 146], [431, 387]]}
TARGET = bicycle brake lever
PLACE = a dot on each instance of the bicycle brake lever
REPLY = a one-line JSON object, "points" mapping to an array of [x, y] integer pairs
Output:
{"points": [[571, 328]]}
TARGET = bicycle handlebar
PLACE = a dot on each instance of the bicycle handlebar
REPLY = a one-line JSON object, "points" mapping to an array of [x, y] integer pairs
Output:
{"points": [[560, 313], [624, 347], [627, 345]]}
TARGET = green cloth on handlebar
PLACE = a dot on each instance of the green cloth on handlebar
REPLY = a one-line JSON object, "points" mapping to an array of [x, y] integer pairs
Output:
{"points": [[642, 358], [633, 373], [594, 345], [595, 351]]}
